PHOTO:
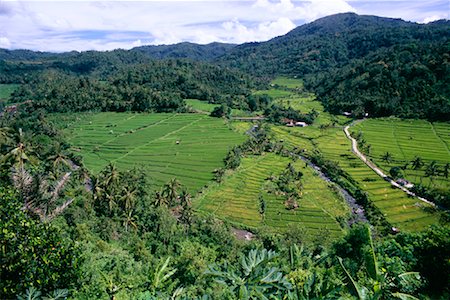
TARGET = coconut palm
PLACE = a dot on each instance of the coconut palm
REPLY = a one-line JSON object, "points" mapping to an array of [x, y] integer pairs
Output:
{"points": [[39, 195], [387, 158], [60, 159], [432, 170], [129, 219], [417, 163], [262, 207], [111, 176], [445, 170], [128, 198], [186, 207], [159, 199], [170, 191]]}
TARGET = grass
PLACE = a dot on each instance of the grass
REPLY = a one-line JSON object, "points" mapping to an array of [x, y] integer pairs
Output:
{"points": [[236, 199], [406, 139], [6, 90], [205, 107], [291, 83], [150, 141], [201, 106]]}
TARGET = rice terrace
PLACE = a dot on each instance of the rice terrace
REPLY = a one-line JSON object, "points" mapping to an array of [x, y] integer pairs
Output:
{"points": [[184, 146], [313, 165]]}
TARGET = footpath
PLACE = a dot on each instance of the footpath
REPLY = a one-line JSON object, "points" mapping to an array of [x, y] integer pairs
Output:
{"points": [[377, 170]]}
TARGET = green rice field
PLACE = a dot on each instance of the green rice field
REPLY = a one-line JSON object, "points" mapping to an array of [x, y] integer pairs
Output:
{"points": [[205, 107], [406, 139], [201, 106], [236, 199], [400, 210], [188, 147], [6, 90]]}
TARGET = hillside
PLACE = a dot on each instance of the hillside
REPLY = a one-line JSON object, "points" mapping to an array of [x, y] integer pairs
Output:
{"points": [[330, 42], [186, 50]]}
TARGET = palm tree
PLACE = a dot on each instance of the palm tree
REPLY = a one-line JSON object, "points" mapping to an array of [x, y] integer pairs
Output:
{"points": [[432, 170], [170, 191], [262, 207], [160, 200], [129, 219], [446, 170], [128, 198], [60, 158], [111, 175], [387, 158], [39, 195], [417, 163], [186, 207]]}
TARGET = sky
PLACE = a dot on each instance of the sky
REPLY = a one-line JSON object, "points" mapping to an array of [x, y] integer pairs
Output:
{"points": [[59, 26]]}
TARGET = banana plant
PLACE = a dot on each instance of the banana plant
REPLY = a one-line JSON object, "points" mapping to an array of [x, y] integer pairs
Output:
{"points": [[381, 281], [254, 278]]}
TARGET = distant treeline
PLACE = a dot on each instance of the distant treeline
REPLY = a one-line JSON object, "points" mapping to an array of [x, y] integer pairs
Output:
{"points": [[153, 85]]}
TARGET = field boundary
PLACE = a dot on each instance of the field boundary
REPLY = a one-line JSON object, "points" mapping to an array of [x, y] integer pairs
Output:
{"points": [[440, 138], [375, 168]]}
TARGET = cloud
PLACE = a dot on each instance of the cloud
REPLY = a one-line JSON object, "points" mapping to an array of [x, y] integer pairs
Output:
{"points": [[5, 43], [433, 18], [100, 25]]}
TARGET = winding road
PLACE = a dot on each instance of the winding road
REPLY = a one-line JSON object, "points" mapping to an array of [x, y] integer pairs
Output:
{"points": [[377, 170]]}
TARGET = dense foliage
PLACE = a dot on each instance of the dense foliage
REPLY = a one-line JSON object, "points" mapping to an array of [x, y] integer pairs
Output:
{"points": [[410, 81], [154, 86]]}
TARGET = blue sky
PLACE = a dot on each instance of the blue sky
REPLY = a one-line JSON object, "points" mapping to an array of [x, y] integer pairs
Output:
{"points": [[106, 25]]}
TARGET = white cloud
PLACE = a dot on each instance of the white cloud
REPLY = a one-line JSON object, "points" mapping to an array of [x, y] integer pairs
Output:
{"points": [[84, 25], [433, 18], [5, 43]]}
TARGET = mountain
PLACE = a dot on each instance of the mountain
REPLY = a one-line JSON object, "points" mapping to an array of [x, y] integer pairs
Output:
{"points": [[330, 42], [186, 50]]}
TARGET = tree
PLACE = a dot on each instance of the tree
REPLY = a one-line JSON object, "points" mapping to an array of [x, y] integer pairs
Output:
{"points": [[159, 199], [262, 207], [39, 195], [417, 163], [396, 172], [186, 207], [432, 170], [387, 158], [445, 170], [170, 191], [33, 253]]}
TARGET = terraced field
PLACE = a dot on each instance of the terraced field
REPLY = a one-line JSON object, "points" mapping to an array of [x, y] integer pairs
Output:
{"points": [[406, 139], [400, 210], [236, 199], [186, 146]]}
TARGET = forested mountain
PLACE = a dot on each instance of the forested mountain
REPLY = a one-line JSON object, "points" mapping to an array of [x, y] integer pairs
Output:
{"points": [[361, 64], [353, 63], [193, 51], [331, 42]]}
